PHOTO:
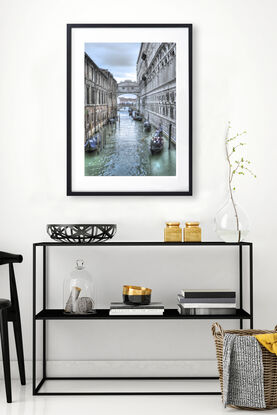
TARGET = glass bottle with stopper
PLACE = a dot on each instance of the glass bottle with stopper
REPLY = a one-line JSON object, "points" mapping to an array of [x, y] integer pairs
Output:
{"points": [[79, 293]]}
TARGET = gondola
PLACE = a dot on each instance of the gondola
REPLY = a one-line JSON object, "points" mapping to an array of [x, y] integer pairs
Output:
{"points": [[92, 143], [136, 116], [157, 142], [147, 126]]}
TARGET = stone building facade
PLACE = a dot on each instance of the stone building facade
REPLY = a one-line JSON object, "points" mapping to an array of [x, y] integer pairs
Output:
{"points": [[100, 97], [156, 76]]}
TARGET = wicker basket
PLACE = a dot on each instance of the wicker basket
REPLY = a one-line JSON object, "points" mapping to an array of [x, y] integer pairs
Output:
{"points": [[269, 363]]}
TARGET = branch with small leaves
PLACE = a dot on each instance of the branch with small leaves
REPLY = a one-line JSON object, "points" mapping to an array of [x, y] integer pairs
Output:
{"points": [[240, 167]]}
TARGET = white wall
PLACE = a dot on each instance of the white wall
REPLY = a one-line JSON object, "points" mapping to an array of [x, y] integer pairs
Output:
{"points": [[235, 79]]}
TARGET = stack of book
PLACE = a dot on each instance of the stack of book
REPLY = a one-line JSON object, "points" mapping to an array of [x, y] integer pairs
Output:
{"points": [[203, 302], [121, 309]]}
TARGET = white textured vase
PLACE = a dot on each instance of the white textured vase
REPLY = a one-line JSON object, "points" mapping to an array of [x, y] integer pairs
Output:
{"points": [[227, 226]]}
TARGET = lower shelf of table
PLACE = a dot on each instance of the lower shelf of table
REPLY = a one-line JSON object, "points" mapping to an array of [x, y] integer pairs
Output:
{"points": [[128, 386], [103, 314]]}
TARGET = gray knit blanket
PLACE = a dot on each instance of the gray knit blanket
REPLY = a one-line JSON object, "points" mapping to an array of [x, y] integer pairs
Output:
{"points": [[243, 372]]}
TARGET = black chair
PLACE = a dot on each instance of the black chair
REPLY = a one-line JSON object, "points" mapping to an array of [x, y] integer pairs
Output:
{"points": [[9, 311]]}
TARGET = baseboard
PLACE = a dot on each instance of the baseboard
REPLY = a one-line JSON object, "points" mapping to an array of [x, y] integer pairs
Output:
{"points": [[120, 368]]}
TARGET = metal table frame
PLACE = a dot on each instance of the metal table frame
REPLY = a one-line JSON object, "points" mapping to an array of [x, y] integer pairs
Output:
{"points": [[170, 314]]}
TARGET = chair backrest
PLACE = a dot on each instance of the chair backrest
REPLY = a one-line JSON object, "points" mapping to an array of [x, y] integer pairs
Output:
{"points": [[6, 258]]}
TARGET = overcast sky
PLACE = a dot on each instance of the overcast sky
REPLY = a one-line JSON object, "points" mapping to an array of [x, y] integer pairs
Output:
{"points": [[119, 58]]}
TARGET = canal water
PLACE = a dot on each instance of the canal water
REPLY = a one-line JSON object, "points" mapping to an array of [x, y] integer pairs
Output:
{"points": [[127, 152]]}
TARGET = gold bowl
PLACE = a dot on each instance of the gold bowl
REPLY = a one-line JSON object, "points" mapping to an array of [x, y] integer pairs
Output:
{"points": [[134, 295]]}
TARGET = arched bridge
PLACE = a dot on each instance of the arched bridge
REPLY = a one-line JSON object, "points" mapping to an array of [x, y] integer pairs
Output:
{"points": [[128, 87]]}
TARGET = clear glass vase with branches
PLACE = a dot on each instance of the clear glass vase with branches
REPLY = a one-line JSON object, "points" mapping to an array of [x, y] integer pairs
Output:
{"points": [[237, 166]]}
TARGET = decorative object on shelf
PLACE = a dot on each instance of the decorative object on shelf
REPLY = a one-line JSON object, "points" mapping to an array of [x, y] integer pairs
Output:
{"points": [[100, 163], [206, 302], [192, 232], [85, 305], [269, 361], [232, 224], [71, 304], [81, 233], [173, 232], [134, 295], [120, 309], [79, 293]]}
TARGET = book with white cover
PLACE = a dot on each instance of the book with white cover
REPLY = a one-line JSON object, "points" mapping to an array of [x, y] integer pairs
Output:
{"points": [[136, 312], [205, 311], [207, 305], [182, 299]]}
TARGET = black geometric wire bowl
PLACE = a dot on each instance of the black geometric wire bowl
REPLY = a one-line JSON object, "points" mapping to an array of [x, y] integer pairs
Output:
{"points": [[81, 233]]}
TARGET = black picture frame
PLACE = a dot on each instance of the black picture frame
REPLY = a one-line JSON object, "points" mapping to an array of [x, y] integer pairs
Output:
{"points": [[71, 192]]}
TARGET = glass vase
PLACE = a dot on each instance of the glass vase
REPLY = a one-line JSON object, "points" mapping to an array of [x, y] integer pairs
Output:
{"points": [[232, 224], [79, 292]]}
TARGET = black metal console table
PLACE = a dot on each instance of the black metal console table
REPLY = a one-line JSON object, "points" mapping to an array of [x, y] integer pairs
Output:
{"points": [[103, 314]]}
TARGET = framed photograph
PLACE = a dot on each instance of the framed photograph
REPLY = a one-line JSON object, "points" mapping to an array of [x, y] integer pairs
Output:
{"points": [[129, 109]]}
